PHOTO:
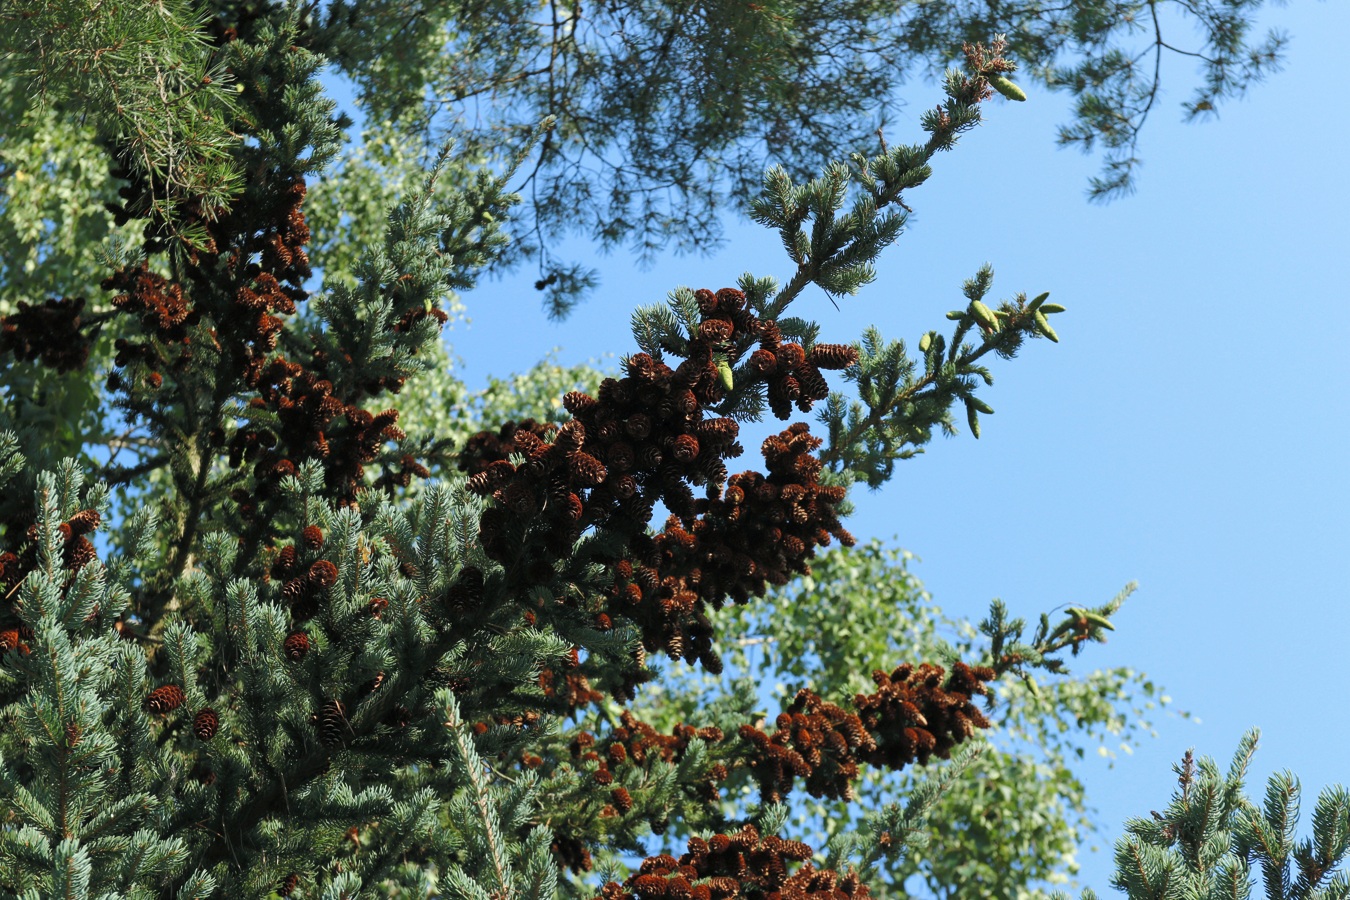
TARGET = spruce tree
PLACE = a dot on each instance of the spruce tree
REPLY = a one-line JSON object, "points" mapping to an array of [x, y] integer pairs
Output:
{"points": [[1211, 839], [261, 650], [299, 664]]}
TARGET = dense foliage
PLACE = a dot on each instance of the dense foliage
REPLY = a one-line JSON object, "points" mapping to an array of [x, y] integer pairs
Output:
{"points": [[667, 113], [1211, 839], [287, 611]]}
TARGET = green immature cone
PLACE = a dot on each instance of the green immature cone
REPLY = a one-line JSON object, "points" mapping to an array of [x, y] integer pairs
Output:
{"points": [[1031, 686], [1080, 618], [1091, 617], [984, 314], [973, 418], [956, 315], [925, 342], [1007, 88], [1043, 326], [1051, 308], [724, 373], [980, 405], [1038, 300]]}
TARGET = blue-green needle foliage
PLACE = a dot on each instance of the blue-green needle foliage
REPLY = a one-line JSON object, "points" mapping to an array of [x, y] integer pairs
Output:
{"points": [[1214, 842], [82, 773], [833, 228]]}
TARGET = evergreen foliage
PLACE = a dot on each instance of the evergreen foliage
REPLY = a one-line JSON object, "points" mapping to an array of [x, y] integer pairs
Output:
{"points": [[1016, 815], [1212, 839], [760, 67], [148, 78], [666, 110], [666, 113], [257, 638], [295, 675]]}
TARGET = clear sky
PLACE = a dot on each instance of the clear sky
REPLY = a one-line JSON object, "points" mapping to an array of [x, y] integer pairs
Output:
{"points": [[1188, 432]]}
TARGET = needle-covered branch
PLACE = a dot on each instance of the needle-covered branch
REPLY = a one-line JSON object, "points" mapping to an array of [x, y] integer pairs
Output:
{"points": [[311, 669]]}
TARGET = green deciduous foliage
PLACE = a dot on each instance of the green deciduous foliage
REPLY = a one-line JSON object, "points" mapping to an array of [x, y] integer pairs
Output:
{"points": [[55, 236]]}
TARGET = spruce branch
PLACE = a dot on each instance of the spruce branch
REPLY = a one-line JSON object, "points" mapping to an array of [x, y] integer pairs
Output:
{"points": [[485, 834], [12, 461], [838, 253], [887, 834], [898, 408], [1211, 839]]}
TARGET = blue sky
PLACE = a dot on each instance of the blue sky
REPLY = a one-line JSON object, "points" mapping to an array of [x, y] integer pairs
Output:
{"points": [[1188, 432]]}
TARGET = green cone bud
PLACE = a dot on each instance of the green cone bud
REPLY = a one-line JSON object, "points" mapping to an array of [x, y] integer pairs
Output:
{"points": [[1007, 88], [1051, 308], [1031, 686], [1100, 621], [981, 405], [724, 373], [956, 315], [925, 342], [984, 314], [1092, 618], [973, 418], [1043, 326], [1039, 299]]}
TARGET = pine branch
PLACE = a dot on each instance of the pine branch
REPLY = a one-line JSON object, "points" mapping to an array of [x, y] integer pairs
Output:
{"points": [[145, 74]]}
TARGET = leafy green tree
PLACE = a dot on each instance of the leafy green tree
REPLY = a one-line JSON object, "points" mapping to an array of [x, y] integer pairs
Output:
{"points": [[55, 235]]}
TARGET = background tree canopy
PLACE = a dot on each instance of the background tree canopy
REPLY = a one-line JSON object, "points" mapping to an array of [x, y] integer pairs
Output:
{"points": [[667, 113]]}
